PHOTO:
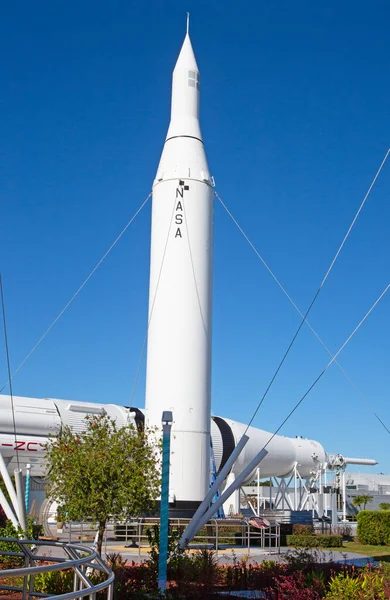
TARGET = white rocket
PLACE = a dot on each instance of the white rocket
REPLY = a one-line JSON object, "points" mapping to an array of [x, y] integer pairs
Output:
{"points": [[36, 419], [179, 329], [179, 334]]}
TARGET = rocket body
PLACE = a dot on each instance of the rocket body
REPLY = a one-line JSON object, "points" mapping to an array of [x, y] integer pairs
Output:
{"points": [[178, 374]]}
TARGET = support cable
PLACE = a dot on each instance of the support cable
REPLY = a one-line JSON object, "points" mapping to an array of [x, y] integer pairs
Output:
{"points": [[355, 218], [283, 289], [9, 368], [327, 366], [363, 398], [77, 291], [318, 290], [193, 272], [152, 308]]}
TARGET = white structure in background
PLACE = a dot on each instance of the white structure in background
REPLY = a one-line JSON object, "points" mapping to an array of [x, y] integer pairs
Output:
{"points": [[315, 492], [178, 375], [378, 483]]}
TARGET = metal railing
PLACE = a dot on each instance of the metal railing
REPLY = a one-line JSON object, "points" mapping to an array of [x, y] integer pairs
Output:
{"points": [[82, 560], [217, 534]]}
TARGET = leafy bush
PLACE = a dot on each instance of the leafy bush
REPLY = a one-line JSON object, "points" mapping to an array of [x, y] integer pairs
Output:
{"points": [[3, 517], [367, 584], [197, 577], [36, 531], [9, 531], [243, 576], [306, 559], [61, 582], [302, 541], [206, 569], [186, 571], [330, 541], [128, 578], [298, 587], [374, 527], [343, 587], [302, 529], [315, 541], [55, 582]]}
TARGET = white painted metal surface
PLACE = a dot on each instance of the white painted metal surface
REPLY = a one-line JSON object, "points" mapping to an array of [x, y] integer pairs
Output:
{"points": [[36, 419], [283, 452], [74, 413], [180, 295], [217, 440], [368, 462], [32, 416]]}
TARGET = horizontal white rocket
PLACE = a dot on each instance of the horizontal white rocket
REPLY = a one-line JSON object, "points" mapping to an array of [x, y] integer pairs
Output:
{"points": [[37, 419]]}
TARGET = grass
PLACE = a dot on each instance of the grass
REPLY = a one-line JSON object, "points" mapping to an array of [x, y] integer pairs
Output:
{"points": [[377, 552]]}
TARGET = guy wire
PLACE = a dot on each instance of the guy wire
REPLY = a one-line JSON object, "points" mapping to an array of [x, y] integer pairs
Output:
{"points": [[318, 290], [327, 366], [8, 367], [193, 271], [283, 289], [77, 291], [152, 308]]}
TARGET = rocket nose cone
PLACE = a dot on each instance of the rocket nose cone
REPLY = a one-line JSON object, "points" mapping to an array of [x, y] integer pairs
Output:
{"points": [[186, 59], [185, 94]]}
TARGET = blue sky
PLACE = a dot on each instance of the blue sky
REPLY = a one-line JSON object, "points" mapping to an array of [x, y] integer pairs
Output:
{"points": [[295, 118]]}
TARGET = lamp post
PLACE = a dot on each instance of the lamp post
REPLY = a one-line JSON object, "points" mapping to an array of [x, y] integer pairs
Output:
{"points": [[164, 503], [27, 490]]}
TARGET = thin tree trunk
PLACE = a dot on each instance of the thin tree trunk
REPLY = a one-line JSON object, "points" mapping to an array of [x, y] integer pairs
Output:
{"points": [[102, 527]]}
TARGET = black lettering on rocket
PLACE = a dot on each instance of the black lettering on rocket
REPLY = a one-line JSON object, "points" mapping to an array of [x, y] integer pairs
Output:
{"points": [[179, 207]]}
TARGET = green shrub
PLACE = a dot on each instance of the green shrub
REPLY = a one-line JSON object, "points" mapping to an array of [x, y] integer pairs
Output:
{"points": [[302, 541], [315, 541], [9, 531], [330, 541], [367, 584], [36, 531], [54, 582], [302, 529], [300, 559], [374, 527], [344, 587]]}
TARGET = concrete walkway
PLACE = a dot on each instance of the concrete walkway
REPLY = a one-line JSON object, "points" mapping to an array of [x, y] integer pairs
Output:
{"points": [[255, 555]]}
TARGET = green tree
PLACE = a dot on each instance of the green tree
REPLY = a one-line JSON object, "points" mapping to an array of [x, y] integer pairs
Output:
{"points": [[384, 505], [362, 500], [103, 472]]}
